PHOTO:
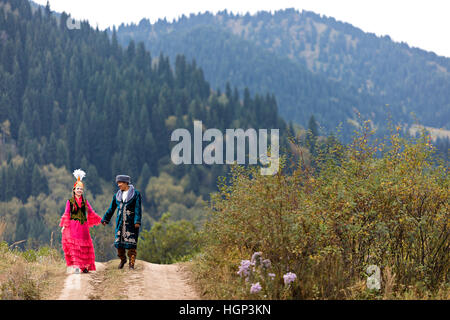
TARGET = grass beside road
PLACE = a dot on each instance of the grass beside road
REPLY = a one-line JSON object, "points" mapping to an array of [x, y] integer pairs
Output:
{"points": [[31, 275]]}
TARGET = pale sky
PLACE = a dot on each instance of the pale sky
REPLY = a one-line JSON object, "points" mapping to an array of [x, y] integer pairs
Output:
{"points": [[419, 23]]}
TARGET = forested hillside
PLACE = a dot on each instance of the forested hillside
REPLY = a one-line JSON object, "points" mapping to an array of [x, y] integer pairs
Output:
{"points": [[360, 215], [348, 69], [77, 99]]}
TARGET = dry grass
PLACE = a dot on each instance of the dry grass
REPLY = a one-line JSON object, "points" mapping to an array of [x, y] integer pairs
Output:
{"points": [[2, 229], [55, 274], [109, 284], [188, 268], [221, 284], [388, 283], [30, 277]]}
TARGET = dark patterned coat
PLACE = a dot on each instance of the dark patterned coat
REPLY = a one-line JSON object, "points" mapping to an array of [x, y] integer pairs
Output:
{"points": [[129, 213]]}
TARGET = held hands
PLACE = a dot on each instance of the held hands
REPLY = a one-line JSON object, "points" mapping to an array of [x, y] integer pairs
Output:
{"points": [[137, 225]]}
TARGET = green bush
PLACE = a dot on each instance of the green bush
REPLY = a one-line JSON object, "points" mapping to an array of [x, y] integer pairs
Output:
{"points": [[167, 241], [47, 252], [4, 247], [30, 255], [383, 203]]}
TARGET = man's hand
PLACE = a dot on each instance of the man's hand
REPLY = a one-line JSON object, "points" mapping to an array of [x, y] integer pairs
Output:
{"points": [[104, 223], [137, 225]]}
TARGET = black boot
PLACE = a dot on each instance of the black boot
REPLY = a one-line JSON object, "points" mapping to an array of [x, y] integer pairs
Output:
{"points": [[122, 263]]}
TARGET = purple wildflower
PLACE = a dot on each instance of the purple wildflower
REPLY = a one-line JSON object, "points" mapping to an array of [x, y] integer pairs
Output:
{"points": [[255, 288], [289, 277], [266, 263], [271, 275], [244, 268]]}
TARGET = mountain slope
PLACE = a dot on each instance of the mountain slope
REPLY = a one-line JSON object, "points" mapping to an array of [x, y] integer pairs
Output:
{"points": [[408, 79], [300, 93], [73, 98]]}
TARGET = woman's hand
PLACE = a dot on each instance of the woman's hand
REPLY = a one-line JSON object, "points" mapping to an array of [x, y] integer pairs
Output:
{"points": [[137, 225]]}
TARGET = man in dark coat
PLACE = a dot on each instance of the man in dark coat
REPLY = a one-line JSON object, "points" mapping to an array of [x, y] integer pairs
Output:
{"points": [[128, 202]]}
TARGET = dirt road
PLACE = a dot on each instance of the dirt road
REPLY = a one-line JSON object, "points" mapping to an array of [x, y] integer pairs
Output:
{"points": [[147, 282]]}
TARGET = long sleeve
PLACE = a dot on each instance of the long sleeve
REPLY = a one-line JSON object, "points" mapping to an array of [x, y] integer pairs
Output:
{"points": [[93, 218], [110, 211], [65, 218], [138, 210]]}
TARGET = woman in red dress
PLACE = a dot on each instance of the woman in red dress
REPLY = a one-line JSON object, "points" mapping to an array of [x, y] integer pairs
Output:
{"points": [[75, 222]]}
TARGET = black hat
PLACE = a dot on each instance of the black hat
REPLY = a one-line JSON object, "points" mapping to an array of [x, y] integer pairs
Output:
{"points": [[123, 178]]}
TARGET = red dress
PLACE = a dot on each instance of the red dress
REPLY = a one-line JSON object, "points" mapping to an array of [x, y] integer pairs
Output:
{"points": [[76, 239]]}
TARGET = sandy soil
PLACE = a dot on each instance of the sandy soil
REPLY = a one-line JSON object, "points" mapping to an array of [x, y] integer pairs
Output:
{"points": [[147, 282], [79, 286]]}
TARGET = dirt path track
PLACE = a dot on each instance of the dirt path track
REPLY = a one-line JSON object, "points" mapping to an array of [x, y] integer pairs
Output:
{"points": [[148, 281]]}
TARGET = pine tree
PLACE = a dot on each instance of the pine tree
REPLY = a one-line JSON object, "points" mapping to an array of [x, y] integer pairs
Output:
{"points": [[94, 184], [51, 155], [144, 177], [39, 183], [62, 154], [22, 226], [311, 135], [312, 126]]}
